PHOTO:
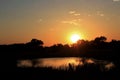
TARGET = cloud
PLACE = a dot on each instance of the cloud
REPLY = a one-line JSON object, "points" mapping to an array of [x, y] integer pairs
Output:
{"points": [[75, 20], [116, 0], [70, 22], [77, 14], [40, 20], [89, 15], [100, 14], [97, 13], [74, 13], [79, 19]]}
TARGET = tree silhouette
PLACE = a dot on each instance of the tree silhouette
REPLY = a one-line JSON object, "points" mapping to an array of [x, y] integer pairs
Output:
{"points": [[100, 39], [35, 42]]}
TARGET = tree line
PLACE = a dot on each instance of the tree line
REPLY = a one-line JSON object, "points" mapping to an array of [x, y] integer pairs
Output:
{"points": [[98, 48]]}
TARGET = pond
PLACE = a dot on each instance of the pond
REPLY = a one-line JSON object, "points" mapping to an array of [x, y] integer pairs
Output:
{"points": [[65, 63]]}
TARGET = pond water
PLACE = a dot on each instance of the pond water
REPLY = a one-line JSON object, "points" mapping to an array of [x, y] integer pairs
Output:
{"points": [[65, 63]]}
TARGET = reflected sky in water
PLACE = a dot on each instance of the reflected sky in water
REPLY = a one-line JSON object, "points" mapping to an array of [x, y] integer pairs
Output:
{"points": [[65, 63], [58, 62]]}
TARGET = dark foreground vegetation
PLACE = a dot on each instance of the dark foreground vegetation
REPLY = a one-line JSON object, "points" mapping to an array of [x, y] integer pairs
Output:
{"points": [[81, 73], [97, 48]]}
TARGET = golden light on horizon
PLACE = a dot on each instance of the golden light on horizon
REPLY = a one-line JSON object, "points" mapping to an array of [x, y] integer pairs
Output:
{"points": [[74, 38]]}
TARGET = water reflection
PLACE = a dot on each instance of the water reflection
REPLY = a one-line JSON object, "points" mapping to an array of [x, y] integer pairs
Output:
{"points": [[25, 63], [57, 62], [109, 66], [65, 63]]}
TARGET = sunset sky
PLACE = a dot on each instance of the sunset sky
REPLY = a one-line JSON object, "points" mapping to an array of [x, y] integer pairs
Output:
{"points": [[54, 21]]}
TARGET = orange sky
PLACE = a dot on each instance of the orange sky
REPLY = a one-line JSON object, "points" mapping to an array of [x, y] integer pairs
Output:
{"points": [[54, 21]]}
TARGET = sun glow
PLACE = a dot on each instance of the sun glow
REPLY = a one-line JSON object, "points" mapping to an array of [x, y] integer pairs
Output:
{"points": [[74, 38]]}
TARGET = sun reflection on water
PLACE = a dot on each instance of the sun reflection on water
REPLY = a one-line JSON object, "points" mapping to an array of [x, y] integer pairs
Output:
{"points": [[57, 62], [65, 63]]}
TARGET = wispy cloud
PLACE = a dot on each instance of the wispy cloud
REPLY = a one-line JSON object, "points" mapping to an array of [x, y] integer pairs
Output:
{"points": [[100, 14], [77, 14], [75, 20], [116, 0], [40, 20], [70, 22], [74, 13], [89, 15], [79, 20]]}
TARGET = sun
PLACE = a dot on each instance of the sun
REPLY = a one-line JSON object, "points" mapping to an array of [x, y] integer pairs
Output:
{"points": [[74, 38]]}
